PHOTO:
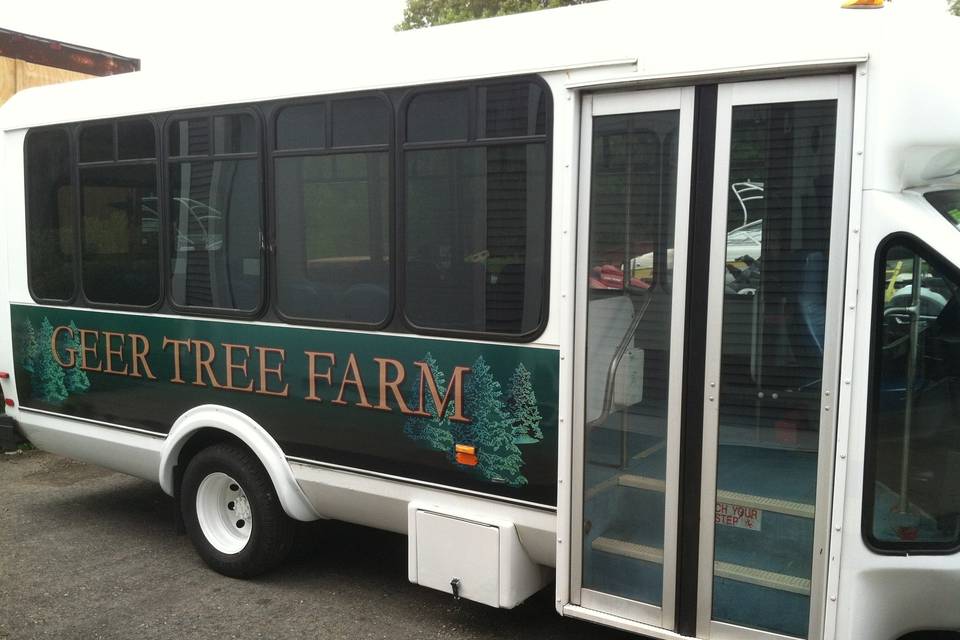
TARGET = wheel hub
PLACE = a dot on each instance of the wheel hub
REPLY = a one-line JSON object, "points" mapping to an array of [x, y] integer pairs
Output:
{"points": [[224, 513]]}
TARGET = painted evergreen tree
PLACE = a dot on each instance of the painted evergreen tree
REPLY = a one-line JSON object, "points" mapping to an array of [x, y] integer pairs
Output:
{"points": [[433, 431], [522, 407], [47, 376], [491, 431], [29, 347], [75, 379]]}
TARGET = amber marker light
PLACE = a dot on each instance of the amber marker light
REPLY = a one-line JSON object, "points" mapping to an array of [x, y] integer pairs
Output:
{"points": [[863, 4], [466, 454]]}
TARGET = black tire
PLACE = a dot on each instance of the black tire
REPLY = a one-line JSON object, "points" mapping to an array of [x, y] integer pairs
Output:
{"points": [[271, 531]]}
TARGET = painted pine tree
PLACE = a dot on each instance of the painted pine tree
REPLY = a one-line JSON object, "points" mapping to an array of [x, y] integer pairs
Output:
{"points": [[522, 407], [75, 379], [491, 431], [433, 431], [29, 347], [47, 375]]}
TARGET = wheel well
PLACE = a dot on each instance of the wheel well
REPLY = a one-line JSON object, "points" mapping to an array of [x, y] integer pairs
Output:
{"points": [[931, 635], [198, 441]]}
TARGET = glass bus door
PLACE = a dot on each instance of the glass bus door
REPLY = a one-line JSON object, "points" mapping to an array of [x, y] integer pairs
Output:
{"points": [[636, 160], [775, 246]]}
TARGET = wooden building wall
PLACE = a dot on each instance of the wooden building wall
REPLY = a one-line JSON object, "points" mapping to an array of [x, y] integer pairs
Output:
{"points": [[16, 75]]}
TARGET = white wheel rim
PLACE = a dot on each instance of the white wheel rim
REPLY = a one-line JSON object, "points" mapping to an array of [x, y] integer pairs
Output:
{"points": [[224, 513]]}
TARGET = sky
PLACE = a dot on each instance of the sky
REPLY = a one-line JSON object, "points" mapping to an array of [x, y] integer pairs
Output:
{"points": [[171, 33]]}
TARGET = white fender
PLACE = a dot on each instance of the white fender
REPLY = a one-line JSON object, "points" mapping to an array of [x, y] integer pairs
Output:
{"points": [[211, 416]]}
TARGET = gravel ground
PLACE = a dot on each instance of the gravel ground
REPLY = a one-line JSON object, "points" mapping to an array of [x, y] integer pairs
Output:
{"points": [[88, 553]]}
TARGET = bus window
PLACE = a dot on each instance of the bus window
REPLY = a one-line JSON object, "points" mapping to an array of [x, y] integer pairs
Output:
{"points": [[475, 226], [333, 213], [120, 251], [438, 115], [215, 213], [913, 490], [508, 110], [50, 215], [947, 202]]}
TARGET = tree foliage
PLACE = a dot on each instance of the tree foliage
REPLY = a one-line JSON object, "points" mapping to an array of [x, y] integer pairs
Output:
{"points": [[433, 431], [491, 431], [429, 13], [498, 422], [75, 379], [522, 407], [47, 376], [954, 7], [51, 382]]}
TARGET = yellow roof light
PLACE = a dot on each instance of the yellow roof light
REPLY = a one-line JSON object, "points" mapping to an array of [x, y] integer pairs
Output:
{"points": [[863, 4]]}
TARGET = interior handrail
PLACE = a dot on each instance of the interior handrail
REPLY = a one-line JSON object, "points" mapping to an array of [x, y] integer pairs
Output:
{"points": [[615, 364]]}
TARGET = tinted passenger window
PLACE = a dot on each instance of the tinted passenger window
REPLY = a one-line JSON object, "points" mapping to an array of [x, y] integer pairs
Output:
{"points": [[190, 137], [508, 110], [360, 122], [119, 217], [913, 489], [50, 215], [136, 139], [121, 229], [301, 127], [475, 225], [333, 248], [96, 143], [216, 215], [439, 115]]}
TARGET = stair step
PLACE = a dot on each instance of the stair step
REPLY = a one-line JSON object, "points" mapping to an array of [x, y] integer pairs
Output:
{"points": [[762, 578], [776, 505], [728, 570], [629, 549]]}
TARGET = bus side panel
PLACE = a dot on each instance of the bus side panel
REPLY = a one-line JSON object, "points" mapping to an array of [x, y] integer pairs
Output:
{"points": [[473, 415]]}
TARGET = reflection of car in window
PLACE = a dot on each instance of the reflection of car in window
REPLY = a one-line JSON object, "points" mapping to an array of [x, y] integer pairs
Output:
{"points": [[746, 192], [201, 221], [743, 255]]}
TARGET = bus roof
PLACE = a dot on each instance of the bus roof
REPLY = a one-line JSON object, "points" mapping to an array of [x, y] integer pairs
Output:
{"points": [[621, 41]]}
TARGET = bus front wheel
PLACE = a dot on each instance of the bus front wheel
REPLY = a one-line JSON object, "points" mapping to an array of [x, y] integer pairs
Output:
{"points": [[232, 512]]}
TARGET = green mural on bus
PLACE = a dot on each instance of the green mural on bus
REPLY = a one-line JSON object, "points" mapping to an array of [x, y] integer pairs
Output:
{"points": [[456, 412]]}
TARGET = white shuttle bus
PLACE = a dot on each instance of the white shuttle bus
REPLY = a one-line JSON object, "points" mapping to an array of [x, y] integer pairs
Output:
{"points": [[660, 301]]}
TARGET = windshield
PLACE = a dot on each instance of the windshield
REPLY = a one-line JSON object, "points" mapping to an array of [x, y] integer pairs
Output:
{"points": [[946, 202]]}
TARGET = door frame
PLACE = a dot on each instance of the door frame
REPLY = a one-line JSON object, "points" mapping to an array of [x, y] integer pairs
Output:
{"points": [[596, 105], [730, 95]]}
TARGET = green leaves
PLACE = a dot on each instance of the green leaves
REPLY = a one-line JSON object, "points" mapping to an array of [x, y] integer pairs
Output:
{"points": [[954, 7], [429, 13]]}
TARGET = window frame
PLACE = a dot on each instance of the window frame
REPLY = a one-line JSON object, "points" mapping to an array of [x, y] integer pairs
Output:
{"points": [[877, 546], [167, 160], [265, 113], [77, 128], [273, 154], [72, 155], [472, 141]]}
